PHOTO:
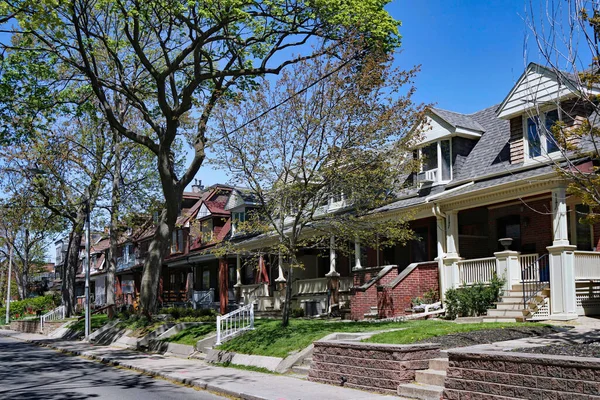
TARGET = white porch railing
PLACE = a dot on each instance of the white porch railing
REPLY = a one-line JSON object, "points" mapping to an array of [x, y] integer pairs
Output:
{"points": [[234, 323], [57, 314], [309, 286], [587, 265], [530, 270], [478, 270], [346, 283], [253, 292]]}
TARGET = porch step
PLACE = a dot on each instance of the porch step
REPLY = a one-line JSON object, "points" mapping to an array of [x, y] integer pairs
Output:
{"points": [[438, 364], [420, 391], [430, 377], [509, 305], [506, 313], [503, 319]]}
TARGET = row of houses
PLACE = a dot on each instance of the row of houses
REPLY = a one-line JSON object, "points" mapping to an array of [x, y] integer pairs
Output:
{"points": [[486, 176]]}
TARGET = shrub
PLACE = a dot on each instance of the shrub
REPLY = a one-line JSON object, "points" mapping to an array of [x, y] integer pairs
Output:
{"points": [[30, 306], [472, 301], [298, 312], [191, 315]]}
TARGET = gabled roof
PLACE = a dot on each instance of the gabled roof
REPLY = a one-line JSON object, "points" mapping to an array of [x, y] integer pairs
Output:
{"points": [[458, 120], [241, 197], [536, 86]]}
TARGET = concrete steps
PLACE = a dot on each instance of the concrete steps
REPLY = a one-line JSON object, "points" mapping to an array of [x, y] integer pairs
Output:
{"points": [[428, 384], [420, 391], [510, 308], [303, 368]]}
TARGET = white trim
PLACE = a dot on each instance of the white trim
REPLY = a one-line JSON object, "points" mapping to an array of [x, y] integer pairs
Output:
{"points": [[542, 134]]}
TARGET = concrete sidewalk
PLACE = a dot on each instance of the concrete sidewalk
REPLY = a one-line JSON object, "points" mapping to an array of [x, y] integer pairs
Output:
{"points": [[227, 381]]}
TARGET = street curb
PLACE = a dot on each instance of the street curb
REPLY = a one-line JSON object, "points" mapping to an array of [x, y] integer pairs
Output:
{"points": [[216, 389]]}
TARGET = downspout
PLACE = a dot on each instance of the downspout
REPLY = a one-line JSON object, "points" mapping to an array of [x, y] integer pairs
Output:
{"points": [[435, 208]]}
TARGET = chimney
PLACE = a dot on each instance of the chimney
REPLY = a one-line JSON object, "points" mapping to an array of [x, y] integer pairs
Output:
{"points": [[197, 186]]}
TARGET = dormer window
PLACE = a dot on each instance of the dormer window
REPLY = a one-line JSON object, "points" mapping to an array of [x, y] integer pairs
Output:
{"points": [[236, 218], [539, 140], [436, 165]]}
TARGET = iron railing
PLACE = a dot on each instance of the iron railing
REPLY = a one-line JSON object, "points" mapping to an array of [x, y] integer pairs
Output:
{"points": [[234, 323], [535, 277], [54, 315]]}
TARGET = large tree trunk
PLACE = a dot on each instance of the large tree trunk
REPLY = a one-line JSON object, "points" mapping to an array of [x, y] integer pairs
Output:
{"points": [[285, 318], [114, 220], [157, 250], [70, 266]]}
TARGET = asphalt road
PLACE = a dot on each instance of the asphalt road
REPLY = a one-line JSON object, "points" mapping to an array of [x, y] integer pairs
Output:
{"points": [[31, 372]]}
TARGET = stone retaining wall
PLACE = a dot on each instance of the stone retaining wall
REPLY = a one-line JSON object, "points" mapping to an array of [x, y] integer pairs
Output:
{"points": [[369, 366], [33, 326], [503, 376]]}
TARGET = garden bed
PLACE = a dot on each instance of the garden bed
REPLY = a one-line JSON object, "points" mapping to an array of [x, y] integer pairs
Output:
{"points": [[591, 349]]}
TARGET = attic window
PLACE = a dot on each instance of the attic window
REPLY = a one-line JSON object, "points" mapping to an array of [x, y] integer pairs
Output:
{"points": [[539, 140], [436, 162]]}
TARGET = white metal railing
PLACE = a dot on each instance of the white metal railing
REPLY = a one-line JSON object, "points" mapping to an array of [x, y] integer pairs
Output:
{"points": [[530, 270], [57, 314], [478, 270], [232, 324], [203, 298], [587, 265]]}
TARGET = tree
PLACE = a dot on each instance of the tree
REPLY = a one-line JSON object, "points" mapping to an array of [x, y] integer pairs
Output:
{"points": [[565, 36], [26, 228], [337, 131], [173, 60], [65, 166]]}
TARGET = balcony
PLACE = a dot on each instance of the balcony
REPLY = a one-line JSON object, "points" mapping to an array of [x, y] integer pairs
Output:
{"points": [[427, 177]]}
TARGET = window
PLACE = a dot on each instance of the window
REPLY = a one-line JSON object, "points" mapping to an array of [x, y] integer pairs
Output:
{"points": [[580, 233], [206, 231], [436, 163], [236, 218], [177, 241], [538, 141]]}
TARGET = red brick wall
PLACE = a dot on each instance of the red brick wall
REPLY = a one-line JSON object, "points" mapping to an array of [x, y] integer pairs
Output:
{"points": [[536, 223], [394, 301], [362, 301]]}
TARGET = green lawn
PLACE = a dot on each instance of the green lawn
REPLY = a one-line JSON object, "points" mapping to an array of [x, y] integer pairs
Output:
{"points": [[270, 339], [432, 328], [191, 335], [98, 320]]}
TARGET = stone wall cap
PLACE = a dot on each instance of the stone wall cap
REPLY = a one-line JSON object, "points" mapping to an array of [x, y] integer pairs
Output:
{"points": [[534, 358], [377, 346]]}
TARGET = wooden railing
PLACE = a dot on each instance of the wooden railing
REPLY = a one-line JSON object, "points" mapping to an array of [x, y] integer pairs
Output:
{"points": [[587, 265], [478, 270]]}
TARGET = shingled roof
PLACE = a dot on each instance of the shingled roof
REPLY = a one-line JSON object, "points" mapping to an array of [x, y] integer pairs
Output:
{"points": [[458, 120]]}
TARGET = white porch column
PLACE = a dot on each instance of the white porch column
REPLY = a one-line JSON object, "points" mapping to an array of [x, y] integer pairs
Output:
{"points": [[357, 255], [560, 228], [452, 234], [441, 252], [332, 258], [563, 302], [451, 259], [238, 271], [508, 267], [280, 277]]}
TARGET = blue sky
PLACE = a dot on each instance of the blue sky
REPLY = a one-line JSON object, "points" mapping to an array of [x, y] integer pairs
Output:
{"points": [[470, 52]]}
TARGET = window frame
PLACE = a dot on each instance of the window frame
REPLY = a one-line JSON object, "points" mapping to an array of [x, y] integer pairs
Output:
{"points": [[541, 117], [438, 174]]}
